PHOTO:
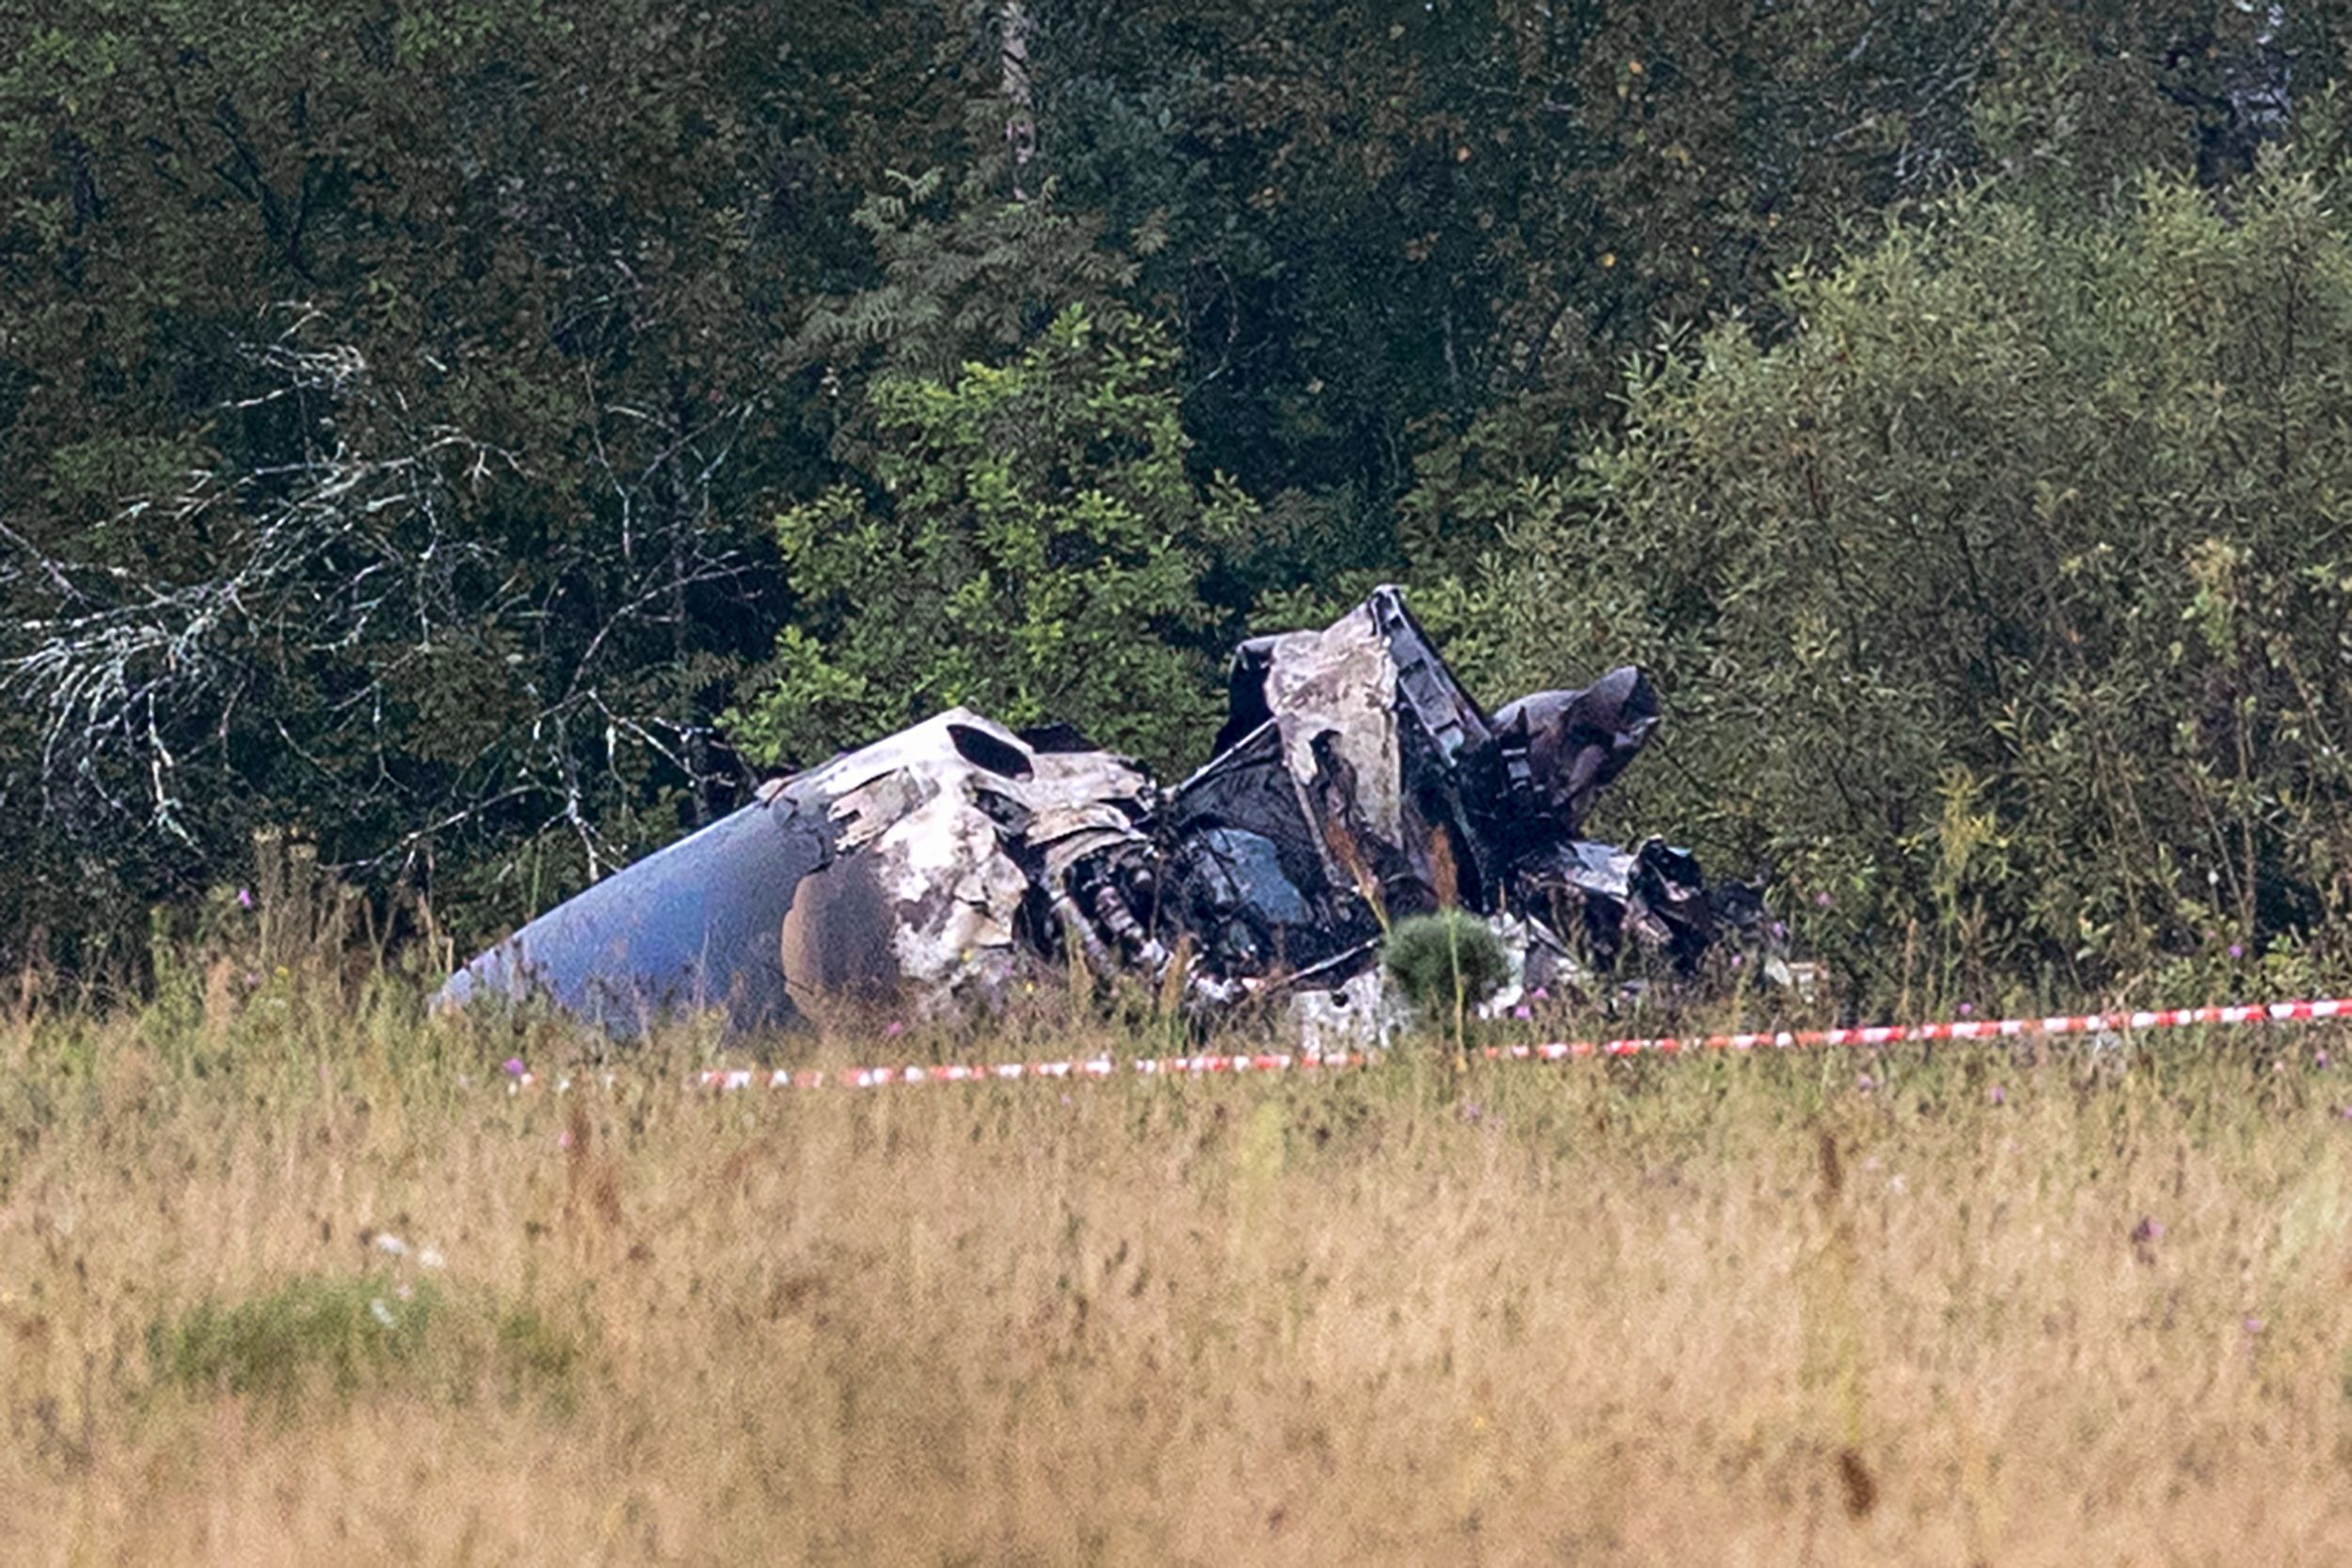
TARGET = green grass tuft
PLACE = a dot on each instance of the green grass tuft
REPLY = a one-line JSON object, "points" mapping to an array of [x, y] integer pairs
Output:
{"points": [[320, 1334]]}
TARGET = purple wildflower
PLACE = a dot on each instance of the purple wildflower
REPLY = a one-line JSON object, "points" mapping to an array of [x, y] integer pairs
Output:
{"points": [[1997, 1097], [896, 1029], [2237, 950], [244, 898], [1523, 1010], [1823, 899], [514, 1067]]}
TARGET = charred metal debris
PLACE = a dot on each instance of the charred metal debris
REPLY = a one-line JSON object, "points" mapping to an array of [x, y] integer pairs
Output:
{"points": [[1354, 782]]}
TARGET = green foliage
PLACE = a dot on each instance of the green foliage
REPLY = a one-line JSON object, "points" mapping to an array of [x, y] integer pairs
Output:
{"points": [[391, 409], [965, 272], [1444, 961], [1030, 546], [393, 402], [2004, 602], [340, 1337], [1377, 227]]}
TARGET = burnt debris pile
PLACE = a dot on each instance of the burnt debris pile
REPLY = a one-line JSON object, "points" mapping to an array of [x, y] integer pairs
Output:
{"points": [[1355, 783]]}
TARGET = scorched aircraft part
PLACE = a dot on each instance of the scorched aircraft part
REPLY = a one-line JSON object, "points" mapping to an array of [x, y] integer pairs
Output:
{"points": [[1354, 782]]}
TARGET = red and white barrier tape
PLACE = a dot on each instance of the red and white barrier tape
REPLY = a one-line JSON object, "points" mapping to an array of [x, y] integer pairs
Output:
{"points": [[1664, 1045], [1961, 1029], [1092, 1067]]}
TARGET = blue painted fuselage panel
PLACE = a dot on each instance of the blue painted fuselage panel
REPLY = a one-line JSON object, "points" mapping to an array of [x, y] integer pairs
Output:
{"points": [[696, 926]]}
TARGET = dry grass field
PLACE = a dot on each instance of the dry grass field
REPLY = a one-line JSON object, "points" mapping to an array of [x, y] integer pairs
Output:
{"points": [[295, 1280]]}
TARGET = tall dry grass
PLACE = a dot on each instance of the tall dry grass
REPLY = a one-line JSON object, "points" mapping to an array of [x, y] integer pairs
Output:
{"points": [[1825, 1309]]}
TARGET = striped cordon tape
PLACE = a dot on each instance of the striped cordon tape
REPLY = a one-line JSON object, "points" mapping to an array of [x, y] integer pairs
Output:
{"points": [[1662, 1045]]}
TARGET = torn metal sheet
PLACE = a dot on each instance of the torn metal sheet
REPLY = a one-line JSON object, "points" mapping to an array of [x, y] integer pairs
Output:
{"points": [[1356, 781]]}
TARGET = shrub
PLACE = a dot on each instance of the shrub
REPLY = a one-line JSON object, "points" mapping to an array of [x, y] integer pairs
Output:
{"points": [[1030, 544], [2002, 602], [1445, 961]]}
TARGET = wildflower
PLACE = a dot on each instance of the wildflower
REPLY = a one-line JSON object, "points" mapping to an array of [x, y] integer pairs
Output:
{"points": [[382, 1313], [2320, 1061], [244, 898], [514, 1067], [390, 1244], [1967, 1009], [1822, 899], [1540, 994], [1523, 1010], [897, 1028], [2237, 950], [1997, 1097]]}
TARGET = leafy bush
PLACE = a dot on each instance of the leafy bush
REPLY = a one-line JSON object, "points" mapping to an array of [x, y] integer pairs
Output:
{"points": [[1445, 961], [2003, 604], [1030, 544]]}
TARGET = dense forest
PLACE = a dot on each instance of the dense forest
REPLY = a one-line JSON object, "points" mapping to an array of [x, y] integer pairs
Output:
{"points": [[483, 437]]}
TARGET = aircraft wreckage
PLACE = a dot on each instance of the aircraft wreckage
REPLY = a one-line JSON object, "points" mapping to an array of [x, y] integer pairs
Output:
{"points": [[1354, 782]]}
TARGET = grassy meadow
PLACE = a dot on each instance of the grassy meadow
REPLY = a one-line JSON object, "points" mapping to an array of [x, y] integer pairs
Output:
{"points": [[291, 1277]]}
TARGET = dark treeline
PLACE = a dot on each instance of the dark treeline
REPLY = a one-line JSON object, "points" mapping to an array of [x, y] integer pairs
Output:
{"points": [[484, 436]]}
